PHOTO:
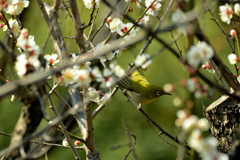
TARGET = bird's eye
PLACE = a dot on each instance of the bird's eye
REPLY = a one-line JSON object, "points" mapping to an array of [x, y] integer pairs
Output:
{"points": [[158, 93]]}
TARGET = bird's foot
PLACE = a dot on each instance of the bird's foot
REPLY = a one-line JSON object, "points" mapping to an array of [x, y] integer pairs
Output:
{"points": [[139, 106], [124, 91]]}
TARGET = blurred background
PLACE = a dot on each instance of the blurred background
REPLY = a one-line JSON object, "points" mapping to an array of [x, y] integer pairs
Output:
{"points": [[111, 139]]}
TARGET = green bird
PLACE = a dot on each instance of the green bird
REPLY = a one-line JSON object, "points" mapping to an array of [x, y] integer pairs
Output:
{"points": [[139, 88]]}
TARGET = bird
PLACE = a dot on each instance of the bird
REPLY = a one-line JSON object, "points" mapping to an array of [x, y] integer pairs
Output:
{"points": [[139, 88]]}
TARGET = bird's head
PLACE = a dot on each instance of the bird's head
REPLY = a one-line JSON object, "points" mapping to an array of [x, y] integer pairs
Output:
{"points": [[155, 91]]}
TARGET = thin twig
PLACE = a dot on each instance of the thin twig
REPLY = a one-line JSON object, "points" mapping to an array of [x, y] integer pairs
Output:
{"points": [[104, 21], [133, 145], [159, 135], [78, 24], [58, 95], [63, 128], [155, 124], [97, 110]]}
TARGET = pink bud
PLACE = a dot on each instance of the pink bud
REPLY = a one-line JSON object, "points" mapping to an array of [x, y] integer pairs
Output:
{"points": [[205, 66], [194, 79], [189, 104], [77, 143], [130, 9], [109, 20], [4, 5], [233, 32], [14, 97], [235, 75], [183, 82], [2, 17], [1, 25], [24, 33]]}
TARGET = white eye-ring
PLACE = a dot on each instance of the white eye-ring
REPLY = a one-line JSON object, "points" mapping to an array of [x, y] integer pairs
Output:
{"points": [[158, 93]]}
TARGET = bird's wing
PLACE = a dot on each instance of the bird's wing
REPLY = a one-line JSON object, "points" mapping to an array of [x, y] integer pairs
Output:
{"points": [[125, 83], [136, 80], [138, 77]]}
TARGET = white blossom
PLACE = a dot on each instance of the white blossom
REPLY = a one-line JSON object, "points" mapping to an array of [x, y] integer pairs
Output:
{"points": [[226, 13], [237, 9], [14, 26], [27, 43], [203, 124], [177, 101], [104, 99], [16, 7], [90, 3], [118, 71], [51, 59], [109, 80], [82, 78], [189, 123], [143, 61], [209, 148], [21, 65], [94, 95], [65, 143], [153, 10], [199, 53], [68, 76], [196, 140], [84, 65], [123, 29], [101, 48], [114, 24], [26, 64], [191, 84], [180, 17], [144, 20], [96, 74], [232, 58]]}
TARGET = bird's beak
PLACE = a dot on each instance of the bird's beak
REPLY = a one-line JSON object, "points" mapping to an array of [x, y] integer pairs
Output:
{"points": [[167, 93]]}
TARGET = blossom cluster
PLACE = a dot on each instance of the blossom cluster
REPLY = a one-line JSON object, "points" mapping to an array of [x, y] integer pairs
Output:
{"points": [[84, 76], [14, 26], [226, 12], [142, 61], [127, 30], [98, 96], [194, 127], [28, 60], [200, 53], [154, 7], [181, 18], [90, 3], [13, 7]]}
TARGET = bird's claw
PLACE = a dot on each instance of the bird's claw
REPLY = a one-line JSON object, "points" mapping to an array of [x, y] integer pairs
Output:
{"points": [[139, 106], [124, 91]]}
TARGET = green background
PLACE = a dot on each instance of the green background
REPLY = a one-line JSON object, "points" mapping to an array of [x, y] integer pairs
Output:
{"points": [[165, 68]]}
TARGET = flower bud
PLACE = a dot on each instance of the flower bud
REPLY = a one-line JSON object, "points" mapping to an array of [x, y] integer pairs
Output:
{"points": [[130, 9], [233, 32], [109, 20], [77, 143], [1, 25], [65, 143], [205, 66], [2, 17], [237, 9]]}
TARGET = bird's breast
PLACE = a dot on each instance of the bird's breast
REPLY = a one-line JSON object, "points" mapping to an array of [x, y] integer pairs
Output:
{"points": [[137, 97]]}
